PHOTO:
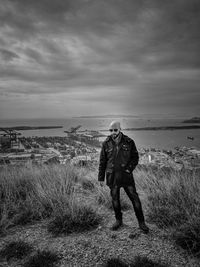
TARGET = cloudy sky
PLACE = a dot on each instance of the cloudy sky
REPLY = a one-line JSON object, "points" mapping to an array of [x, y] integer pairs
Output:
{"points": [[63, 58]]}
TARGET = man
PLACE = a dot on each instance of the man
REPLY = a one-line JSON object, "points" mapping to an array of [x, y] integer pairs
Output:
{"points": [[118, 159]]}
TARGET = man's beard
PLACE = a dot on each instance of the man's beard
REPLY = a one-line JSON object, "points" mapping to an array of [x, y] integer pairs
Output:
{"points": [[115, 136]]}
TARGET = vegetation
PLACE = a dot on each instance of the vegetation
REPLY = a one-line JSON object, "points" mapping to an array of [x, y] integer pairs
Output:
{"points": [[70, 197], [173, 202], [30, 194], [21, 250], [16, 250], [88, 184], [187, 236], [43, 259], [76, 218]]}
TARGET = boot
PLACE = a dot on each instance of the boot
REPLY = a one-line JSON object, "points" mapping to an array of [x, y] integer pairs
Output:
{"points": [[116, 225], [144, 227]]}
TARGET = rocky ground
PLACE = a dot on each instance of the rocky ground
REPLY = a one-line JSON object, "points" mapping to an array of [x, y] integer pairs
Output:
{"points": [[96, 247]]}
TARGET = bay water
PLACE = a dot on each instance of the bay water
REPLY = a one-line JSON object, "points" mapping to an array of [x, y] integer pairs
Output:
{"points": [[159, 139]]}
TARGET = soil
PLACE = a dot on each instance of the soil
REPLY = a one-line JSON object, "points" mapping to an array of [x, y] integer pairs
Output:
{"points": [[96, 247]]}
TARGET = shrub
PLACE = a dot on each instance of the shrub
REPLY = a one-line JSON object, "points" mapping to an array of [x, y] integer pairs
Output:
{"points": [[29, 194], [26, 214], [3, 219], [162, 212], [187, 236], [76, 218], [43, 259], [22, 188], [172, 200], [16, 249]]}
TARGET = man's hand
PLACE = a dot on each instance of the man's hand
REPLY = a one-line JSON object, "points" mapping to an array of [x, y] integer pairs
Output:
{"points": [[127, 171], [101, 184]]}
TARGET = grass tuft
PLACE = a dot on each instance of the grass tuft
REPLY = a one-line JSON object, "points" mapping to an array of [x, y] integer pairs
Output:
{"points": [[172, 201], [77, 218], [16, 249], [187, 236], [88, 184], [35, 193], [42, 259]]}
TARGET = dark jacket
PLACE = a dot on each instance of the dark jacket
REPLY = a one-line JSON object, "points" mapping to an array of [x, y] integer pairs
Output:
{"points": [[118, 164]]}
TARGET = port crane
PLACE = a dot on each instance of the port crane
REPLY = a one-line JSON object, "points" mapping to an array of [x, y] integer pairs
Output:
{"points": [[8, 137], [73, 129], [10, 132], [190, 137]]}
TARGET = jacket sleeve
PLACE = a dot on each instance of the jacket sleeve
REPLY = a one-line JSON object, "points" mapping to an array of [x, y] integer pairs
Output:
{"points": [[102, 164], [134, 158]]}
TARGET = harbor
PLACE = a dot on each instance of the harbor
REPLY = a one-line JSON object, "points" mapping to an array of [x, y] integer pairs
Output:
{"points": [[82, 147], [76, 148]]}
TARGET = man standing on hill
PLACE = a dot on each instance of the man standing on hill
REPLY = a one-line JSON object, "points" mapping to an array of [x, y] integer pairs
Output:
{"points": [[118, 159]]}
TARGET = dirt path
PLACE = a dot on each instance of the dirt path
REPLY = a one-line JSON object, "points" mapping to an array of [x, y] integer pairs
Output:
{"points": [[95, 247]]}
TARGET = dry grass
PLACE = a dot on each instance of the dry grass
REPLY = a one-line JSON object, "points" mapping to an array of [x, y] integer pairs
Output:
{"points": [[30, 194], [43, 259], [77, 217], [16, 250], [173, 202]]}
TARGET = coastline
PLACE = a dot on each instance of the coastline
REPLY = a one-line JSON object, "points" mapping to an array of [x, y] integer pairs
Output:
{"points": [[152, 128], [161, 128], [154, 133], [24, 128]]}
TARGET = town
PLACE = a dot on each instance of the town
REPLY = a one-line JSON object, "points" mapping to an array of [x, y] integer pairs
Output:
{"points": [[180, 158], [76, 148], [82, 148]]}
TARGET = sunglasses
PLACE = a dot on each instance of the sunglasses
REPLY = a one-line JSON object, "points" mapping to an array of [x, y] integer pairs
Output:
{"points": [[113, 130]]}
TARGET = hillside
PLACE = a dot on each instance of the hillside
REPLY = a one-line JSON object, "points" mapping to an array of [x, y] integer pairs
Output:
{"points": [[192, 120], [54, 188]]}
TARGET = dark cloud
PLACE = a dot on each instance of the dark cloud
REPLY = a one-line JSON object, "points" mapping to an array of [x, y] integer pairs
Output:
{"points": [[34, 55], [145, 47], [138, 29], [7, 55]]}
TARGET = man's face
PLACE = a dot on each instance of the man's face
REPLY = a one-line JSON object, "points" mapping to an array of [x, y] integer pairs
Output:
{"points": [[114, 130]]}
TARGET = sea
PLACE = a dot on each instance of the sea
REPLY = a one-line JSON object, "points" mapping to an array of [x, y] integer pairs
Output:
{"points": [[160, 139]]}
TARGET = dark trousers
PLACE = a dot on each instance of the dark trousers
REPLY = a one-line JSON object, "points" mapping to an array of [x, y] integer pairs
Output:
{"points": [[133, 196]]}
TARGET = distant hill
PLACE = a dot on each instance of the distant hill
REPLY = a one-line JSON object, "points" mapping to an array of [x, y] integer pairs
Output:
{"points": [[109, 116], [192, 120]]}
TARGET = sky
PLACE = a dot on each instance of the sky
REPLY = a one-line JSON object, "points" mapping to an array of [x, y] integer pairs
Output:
{"points": [[61, 58]]}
